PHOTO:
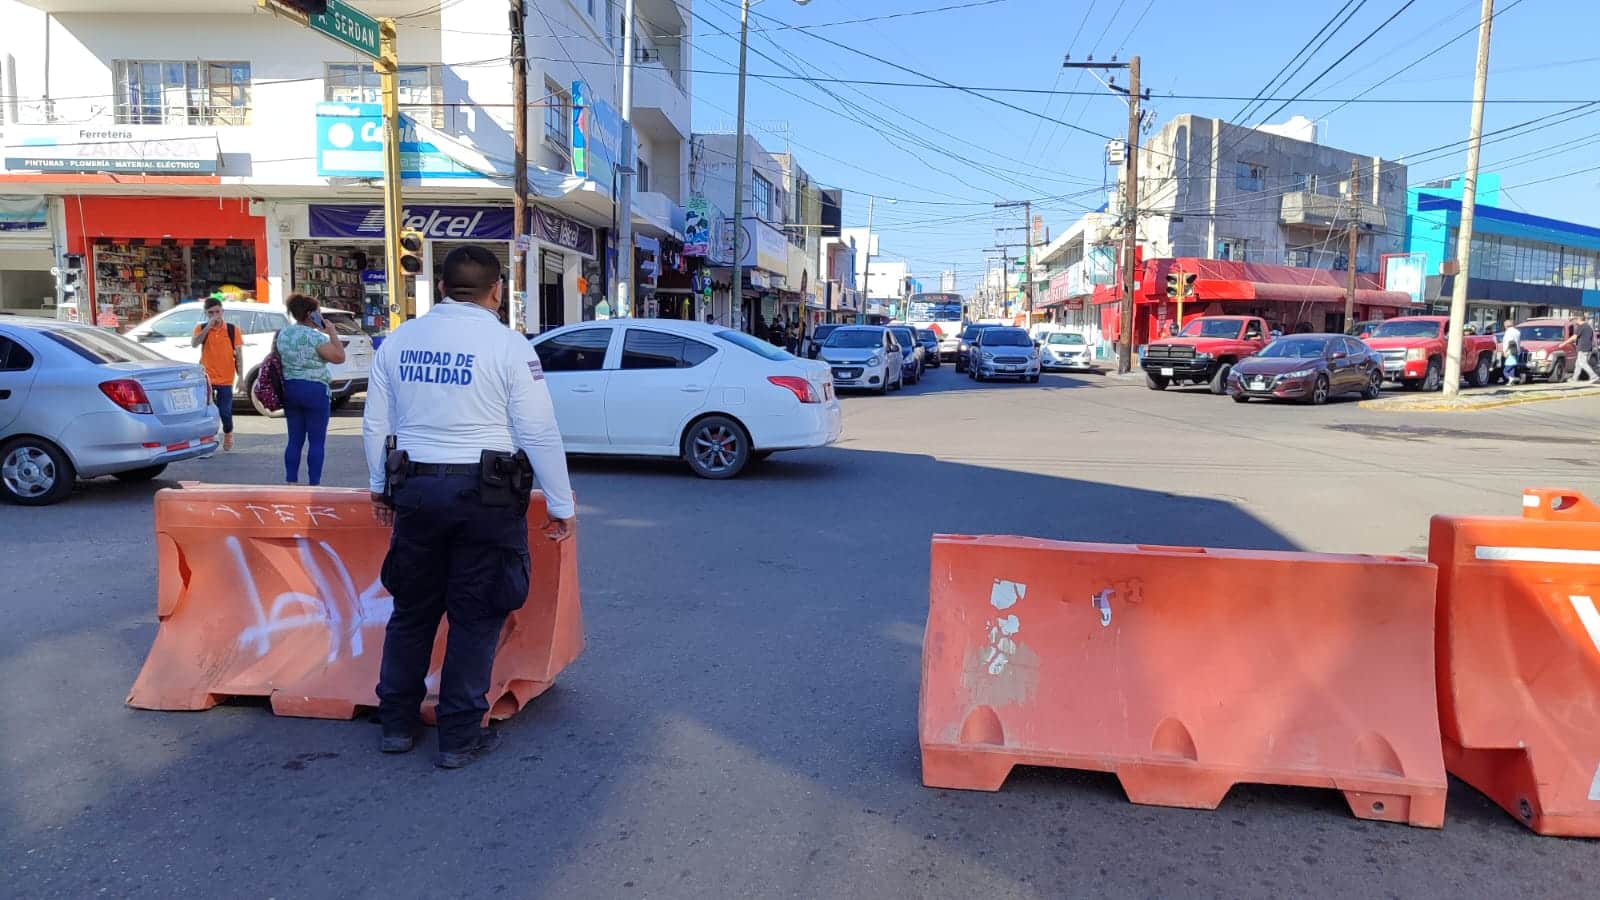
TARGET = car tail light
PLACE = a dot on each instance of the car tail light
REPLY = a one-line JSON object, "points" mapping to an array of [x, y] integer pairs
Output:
{"points": [[802, 389], [128, 394]]}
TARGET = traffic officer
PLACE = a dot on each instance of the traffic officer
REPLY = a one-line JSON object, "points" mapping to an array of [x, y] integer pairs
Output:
{"points": [[460, 395]]}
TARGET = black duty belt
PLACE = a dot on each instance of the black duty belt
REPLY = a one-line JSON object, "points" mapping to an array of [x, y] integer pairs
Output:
{"points": [[417, 468]]}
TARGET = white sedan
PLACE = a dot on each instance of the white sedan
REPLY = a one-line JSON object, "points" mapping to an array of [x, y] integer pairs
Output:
{"points": [[714, 397]]}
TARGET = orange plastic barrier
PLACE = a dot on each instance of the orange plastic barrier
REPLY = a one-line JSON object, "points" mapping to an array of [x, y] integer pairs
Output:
{"points": [[1183, 671], [1519, 658], [274, 592]]}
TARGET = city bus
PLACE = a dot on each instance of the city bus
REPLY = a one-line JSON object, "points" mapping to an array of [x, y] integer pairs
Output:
{"points": [[940, 313]]}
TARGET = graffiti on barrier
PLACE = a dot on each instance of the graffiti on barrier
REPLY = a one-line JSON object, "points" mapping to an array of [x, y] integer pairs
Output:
{"points": [[337, 606]]}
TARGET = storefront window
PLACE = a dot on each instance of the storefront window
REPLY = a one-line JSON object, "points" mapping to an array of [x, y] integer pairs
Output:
{"points": [[177, 92], [421, 89]]}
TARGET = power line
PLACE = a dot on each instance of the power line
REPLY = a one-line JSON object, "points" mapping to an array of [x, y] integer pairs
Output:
{"points": [[1245, 110], [1347, 54]]}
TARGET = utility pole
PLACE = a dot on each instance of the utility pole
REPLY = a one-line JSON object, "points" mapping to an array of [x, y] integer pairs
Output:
{"points": [[1354, 238], [1130, 224], [738, 174], [866, 269], [1469, 202], [624, 305], [388, 66], [1027, 253], [519, 195]]}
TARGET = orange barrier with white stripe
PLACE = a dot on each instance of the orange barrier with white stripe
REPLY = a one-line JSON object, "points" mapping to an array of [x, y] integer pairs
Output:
{"points": [[274, 592], [1184, 671], [1519, 658]]}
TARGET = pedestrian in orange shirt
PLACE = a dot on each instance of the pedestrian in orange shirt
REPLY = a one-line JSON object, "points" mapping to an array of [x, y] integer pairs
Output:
{"points": [[223, 361]]}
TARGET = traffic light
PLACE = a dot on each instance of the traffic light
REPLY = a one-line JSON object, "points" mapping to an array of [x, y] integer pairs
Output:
{"points": [[410, 252], [1172, 285], [1180, 285]]}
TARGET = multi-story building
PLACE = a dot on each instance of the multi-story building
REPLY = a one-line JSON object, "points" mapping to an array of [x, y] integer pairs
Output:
{"points": [[1522, 265], [166, 153], [764, 239], [800, 296], [1081, 257]]}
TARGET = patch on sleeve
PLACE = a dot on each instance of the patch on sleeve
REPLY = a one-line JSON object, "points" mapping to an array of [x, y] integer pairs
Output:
{"points": [[536, 370]]}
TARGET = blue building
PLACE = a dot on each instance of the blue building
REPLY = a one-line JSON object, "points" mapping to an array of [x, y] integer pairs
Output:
{"points": [[1523, 266]]}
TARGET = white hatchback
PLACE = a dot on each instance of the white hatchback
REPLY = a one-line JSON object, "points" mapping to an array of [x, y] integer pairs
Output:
{"points": [[714, 397], [169, 334]]}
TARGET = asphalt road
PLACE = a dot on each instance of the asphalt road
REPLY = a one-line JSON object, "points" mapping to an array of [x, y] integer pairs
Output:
{"points": [[743, 719]]}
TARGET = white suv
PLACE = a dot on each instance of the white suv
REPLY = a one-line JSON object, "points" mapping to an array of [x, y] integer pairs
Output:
{"points": [[170, 333]]}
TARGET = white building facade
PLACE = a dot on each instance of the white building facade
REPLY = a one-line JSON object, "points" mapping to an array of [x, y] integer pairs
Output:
{"points": [[166, 149]]}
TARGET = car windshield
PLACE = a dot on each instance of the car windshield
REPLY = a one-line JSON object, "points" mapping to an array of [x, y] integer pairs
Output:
{"points": [[1543, 332], [100, 347], [1005, 337], [343, 323], [1064, 338], [821, 332], [1212, 328], [904, 336], [854, 339], [1402, 328], [973, 331], [754, 345], [1296, 348], [926, 336]]}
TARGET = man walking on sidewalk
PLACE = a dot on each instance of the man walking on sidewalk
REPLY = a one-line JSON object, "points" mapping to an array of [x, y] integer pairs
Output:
{"points": [[223, 360], [1585, 353]]}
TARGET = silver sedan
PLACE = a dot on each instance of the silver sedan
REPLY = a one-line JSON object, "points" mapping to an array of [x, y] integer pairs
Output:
{"points": [[77, 401]]}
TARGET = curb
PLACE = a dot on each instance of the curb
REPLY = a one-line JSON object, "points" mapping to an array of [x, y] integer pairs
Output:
{"points": [[1390, 405]]}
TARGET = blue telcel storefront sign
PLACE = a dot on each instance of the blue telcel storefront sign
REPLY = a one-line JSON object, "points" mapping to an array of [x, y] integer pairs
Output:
{"points": [[437, 223], [350, 145]]}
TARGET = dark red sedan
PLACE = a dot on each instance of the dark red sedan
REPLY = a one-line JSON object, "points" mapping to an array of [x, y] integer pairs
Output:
{"points": [[1309, 368]]}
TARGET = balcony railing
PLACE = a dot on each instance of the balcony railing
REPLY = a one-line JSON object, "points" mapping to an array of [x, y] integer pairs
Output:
{"points": [[1321, 210]]}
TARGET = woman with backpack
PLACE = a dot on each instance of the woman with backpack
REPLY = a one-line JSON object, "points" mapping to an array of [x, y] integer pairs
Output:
{"points": [[305, 349]]}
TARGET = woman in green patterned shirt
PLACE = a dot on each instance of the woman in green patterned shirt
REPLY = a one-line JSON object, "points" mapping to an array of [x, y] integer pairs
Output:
{"points": [[307, 347]]}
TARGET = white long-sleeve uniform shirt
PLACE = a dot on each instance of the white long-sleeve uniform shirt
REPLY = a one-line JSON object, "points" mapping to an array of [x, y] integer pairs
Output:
{"points": [[456, 382]]}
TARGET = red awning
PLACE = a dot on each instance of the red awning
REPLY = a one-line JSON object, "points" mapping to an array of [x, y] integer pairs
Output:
{"points": [[1237, 289]]}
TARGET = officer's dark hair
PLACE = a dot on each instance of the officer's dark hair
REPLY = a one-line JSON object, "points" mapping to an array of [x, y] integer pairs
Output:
{"points": [[470, 272], [300, 307]]}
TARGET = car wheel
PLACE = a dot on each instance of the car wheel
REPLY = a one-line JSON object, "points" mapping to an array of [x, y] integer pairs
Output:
{"points": [[1558, 371], [1241, 398], [144, 474], [716, 447], [1433, 380], [1155, 382], [1033, 379], [1480, 375], [339, 403], [34, 472], [250, 389], [1374, 388], [1319, 391], [1219, 381]]}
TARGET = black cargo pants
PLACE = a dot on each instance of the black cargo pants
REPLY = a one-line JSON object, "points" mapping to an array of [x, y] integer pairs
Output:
{"points": [[452, 556]]}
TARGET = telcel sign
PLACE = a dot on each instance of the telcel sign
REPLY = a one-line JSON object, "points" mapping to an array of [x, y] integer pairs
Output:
{"points": [[350, 145]]}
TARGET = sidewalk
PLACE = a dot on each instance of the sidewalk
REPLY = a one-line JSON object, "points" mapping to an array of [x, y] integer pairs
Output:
{"points": [[1482, 398]]}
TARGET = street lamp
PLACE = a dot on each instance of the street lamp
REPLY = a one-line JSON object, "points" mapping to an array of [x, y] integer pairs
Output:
{"points": [[737, 300]]}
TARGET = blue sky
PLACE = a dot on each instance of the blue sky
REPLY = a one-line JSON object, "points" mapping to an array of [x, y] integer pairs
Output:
{"points": [[856, 138]]}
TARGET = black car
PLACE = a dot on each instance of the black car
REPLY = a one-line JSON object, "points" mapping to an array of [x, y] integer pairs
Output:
{"points": [[930, 347], [969, 337], [814, 340]]}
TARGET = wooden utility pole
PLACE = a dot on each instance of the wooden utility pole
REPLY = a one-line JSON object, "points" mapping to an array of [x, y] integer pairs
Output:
{"points": [[519, 196], [1130, 237], [1354, 238], [1469, 202], [866, 267]]}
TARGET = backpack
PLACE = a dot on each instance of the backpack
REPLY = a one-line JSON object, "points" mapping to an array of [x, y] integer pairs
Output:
{"points": [[268, 389]]}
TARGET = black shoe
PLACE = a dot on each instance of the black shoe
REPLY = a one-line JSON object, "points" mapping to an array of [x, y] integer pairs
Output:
{"points": [[398, 743], [487, 741]]}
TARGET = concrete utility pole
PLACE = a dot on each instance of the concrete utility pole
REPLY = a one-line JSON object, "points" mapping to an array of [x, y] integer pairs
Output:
{"points": [[1350, 259], [1469, 202], [1027, 253], [866, 268], [515, 312], [623, 306]]}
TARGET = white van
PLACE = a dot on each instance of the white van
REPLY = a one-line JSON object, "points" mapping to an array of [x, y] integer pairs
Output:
{"points": [[170, 333]]}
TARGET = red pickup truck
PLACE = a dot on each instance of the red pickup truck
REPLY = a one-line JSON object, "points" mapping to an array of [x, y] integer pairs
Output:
{"points": [[1413, 349], [1204, 352]]}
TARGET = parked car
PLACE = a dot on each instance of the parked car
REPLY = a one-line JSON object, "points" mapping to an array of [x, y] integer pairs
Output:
{"points": [[864, 356], [815, 339], [77, 402], [1413, 349], [1308, 367], [169, 334], [930, 348], [912, 354], [1065, 350], [969, 336], [1004, 352], [1203, 352], [713, 397], [1551, 346]]}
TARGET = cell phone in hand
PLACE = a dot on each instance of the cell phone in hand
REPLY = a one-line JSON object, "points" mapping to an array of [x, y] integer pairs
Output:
{"points": [[316, 319]]}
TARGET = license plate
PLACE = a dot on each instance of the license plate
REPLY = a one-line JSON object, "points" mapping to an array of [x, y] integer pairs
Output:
{"points": [[1166, 373], [182, 401], [1259, 384]]}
